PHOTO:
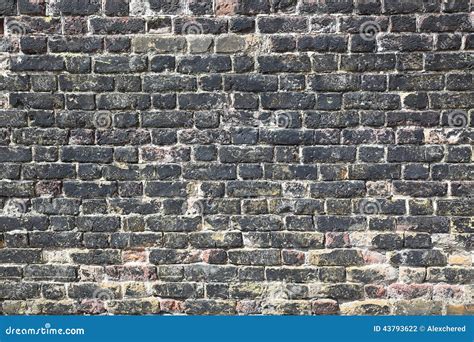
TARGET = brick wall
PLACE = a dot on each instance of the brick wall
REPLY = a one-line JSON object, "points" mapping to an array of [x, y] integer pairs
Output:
{"points": [[224, 157]]}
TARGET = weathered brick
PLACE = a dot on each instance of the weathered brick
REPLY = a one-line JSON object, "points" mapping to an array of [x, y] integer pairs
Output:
{"points": [[20, 256], [418, 258], [37, 63], [19, 291], [284, 63], [89, 189], [254, 257], [50, 272], [198, 64], [117, 25], [173, 223], [329, 154], [97, 257], [337, 189], [86, 154]]}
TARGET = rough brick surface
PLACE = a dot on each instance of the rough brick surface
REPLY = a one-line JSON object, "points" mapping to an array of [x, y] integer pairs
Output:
{"points": [[236, 157]]}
